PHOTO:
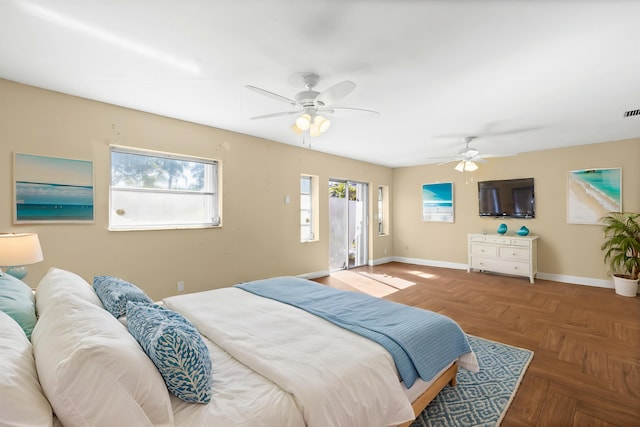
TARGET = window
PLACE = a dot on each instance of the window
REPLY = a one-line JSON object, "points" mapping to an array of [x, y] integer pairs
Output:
{"points": [[383, 209], [153, 190], [308, 208]]}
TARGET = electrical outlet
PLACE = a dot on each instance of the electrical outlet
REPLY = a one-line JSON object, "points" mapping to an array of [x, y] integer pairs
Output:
{"points": [[385, 251], [180, 286]]}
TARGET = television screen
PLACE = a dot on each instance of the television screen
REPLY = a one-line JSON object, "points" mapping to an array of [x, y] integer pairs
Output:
{"points": [[507, 198]]}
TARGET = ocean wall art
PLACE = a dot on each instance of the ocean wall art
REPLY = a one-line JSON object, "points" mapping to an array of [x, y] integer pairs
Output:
{"points": [[437, 202], [51, 189], [592, 193]]}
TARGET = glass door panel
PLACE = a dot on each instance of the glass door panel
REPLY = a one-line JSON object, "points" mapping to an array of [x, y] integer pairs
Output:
{"points": [[348, 224]]}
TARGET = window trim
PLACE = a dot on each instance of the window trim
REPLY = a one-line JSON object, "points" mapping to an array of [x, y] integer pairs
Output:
{"points": [[382, 215], [315, 207], [216, 190]]}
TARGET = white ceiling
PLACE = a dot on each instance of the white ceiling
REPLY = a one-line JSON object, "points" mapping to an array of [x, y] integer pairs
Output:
{"points": [[520, 75]]}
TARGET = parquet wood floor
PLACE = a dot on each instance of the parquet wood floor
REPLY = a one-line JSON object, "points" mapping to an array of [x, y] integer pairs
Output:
{"points": [[586, 340]]}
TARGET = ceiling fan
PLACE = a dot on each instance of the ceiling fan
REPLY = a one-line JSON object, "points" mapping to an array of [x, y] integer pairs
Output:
{"points": [[309, 104], [468, 157]]}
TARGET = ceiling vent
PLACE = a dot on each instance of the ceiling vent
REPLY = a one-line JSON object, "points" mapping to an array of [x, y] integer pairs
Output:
{"points": [[632, 113]]}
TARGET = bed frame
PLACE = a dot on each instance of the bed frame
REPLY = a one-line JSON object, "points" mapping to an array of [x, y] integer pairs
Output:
{"points": [[419, 405]]}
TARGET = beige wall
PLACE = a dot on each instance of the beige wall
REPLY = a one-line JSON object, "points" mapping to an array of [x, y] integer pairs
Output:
{"points": [[260, 233], [260, 236], [566, 252]]}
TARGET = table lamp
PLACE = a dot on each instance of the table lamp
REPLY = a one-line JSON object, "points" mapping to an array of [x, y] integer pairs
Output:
{"points": [[18, 250]]}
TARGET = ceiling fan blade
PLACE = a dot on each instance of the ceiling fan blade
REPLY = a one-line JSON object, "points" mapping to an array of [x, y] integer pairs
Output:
{"points": [[271, 95], [268, 116], [488, 134], [335, 93], [447, 162], [489, 156], [444, 160], [358, 110]]}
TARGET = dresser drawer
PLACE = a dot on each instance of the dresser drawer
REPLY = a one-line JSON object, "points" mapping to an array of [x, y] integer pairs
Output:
{"points": [[484, 250], [480, 263], [514, 253], [500, 266], [498, 240], [513, 267]]}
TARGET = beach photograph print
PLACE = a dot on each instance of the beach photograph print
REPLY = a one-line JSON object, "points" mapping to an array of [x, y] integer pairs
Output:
{"points": [[50, 189], [437, 202], [592, 193]]}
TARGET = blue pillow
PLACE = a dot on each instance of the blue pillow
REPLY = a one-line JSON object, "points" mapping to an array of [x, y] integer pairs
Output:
{"points": [[175, 347], [17, 300], [114, 294]]}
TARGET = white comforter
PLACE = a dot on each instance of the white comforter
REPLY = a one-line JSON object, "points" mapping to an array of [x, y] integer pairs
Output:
{"points": [[337, 378], [240, 398]]}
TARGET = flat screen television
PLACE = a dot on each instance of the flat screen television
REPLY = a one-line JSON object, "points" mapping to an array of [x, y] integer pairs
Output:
{"points": [[507, 198]]}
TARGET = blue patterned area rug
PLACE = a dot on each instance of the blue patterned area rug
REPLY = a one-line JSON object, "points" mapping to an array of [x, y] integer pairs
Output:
{"points": [[479, 399]]}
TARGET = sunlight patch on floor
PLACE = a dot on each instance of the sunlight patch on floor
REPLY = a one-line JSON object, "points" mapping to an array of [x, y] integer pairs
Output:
{"points": [[392, 281], [424, 275], [364, 284]]}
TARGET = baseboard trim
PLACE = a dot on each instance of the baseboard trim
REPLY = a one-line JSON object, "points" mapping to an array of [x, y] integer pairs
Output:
{"points": [[430, 263], [380, 261], [575, 280]]}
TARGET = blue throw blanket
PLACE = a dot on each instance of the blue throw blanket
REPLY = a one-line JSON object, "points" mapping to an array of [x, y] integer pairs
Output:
{"points": [[421, 342]]}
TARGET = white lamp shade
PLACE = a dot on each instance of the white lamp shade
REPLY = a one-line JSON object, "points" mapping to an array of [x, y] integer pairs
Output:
{"points": [[17, 249], [470, 166], [319, 126], [303, 122], [323, 124], [465, 165], [296, 129]]}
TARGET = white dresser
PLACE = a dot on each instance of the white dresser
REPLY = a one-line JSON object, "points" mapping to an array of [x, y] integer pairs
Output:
{"points": [[516, 255]]}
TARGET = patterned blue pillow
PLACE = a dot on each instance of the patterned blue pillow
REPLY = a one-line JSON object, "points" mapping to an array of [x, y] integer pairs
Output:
{"points": [[175, 347], [114, 294]]}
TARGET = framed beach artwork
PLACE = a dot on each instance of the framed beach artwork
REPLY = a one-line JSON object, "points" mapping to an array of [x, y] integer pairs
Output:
{"points": [[51, 189], [437, 202], [592, 193]]}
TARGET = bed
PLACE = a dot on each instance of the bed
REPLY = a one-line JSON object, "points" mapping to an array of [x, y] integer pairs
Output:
{"points": [[270, 361]]}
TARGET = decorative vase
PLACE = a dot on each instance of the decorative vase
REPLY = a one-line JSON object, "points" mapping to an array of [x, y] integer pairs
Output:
{"points": [[502, 228], [523, 231]]}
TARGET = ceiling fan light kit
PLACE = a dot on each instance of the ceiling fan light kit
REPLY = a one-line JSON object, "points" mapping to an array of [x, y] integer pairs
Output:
{"points": [[310, 103], [316, 125], [465, 165]]}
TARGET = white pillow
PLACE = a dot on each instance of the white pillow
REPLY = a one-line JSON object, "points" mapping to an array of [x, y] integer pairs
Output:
{"points": [[91, 369], [22, 402], [61, 285]]}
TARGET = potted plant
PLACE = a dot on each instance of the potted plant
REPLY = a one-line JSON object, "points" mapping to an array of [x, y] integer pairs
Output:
{"points": [[622, 250]]}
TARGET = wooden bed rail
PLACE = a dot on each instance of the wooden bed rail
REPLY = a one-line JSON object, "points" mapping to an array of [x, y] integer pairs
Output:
{"points": [[448, 377]]}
